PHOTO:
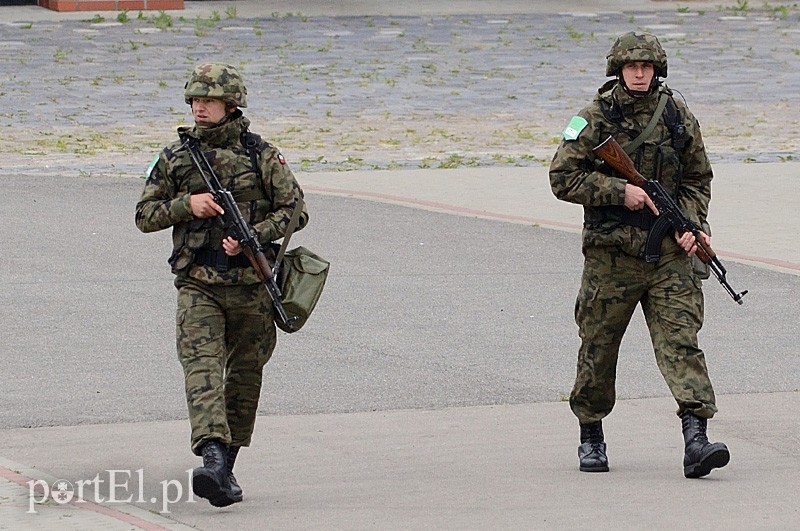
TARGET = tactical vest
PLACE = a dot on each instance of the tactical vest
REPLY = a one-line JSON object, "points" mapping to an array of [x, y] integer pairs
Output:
{"points": [[655, 158], [239, 170]]}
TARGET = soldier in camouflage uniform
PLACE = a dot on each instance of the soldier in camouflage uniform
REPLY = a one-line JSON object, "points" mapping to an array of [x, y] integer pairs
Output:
{"points": [[663, 139], [225, 328]]}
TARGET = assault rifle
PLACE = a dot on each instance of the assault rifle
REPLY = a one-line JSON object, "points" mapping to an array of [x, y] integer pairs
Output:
{"points": [[241, 231], [613, 154]]}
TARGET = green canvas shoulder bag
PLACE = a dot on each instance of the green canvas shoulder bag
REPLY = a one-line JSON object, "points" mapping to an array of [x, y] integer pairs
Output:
{"points": [[301, 278]]}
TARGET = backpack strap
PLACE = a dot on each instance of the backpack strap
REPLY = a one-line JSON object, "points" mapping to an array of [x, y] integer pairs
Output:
{"points": [[252, 145], [251, 141], [672, 118], [677, 130]]}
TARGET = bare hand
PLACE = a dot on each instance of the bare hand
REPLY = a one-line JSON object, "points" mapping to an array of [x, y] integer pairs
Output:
{"points": [[688, 242], [204, 206], [637, 199], [231, 246]]}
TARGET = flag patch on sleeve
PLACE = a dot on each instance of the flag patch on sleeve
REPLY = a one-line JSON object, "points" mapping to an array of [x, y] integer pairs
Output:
{"points": [[574, 128]]}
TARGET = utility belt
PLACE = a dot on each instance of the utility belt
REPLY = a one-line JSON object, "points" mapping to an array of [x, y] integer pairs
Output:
{"points": [[657, 228], [219, 260], [643, 218]]}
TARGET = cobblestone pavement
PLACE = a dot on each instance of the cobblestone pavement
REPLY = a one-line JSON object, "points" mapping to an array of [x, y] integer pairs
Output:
{"points": [[338, 93]]}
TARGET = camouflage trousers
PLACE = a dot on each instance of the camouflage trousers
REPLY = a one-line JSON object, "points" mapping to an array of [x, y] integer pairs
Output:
{"points": [[612, 286], [225, 336]]}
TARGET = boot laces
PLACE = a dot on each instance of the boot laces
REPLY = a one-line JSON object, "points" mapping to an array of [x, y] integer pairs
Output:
{"points": [[698, 427], [701, 432], [210, 456], [592, 434]]}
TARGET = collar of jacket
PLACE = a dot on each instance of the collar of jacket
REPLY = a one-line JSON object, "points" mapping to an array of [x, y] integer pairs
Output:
{"points": [[225, 134], [614, 94]]}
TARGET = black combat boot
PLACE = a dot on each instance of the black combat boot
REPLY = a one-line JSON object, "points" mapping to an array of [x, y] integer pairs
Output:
{"points": [[700, 456], [236, 490], [592, 451], [211, 481]]}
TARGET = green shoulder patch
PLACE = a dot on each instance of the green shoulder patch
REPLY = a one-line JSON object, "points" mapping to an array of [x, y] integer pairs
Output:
{"points": [[152, 165], [574, 128]]}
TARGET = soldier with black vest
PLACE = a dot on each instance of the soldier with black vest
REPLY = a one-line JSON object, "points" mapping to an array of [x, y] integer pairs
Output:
{"points": [[225, 327], [663, 139]]}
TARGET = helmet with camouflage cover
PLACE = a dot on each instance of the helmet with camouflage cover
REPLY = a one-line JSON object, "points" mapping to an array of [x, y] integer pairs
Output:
{"points": [[216, 80], [635, 46]]}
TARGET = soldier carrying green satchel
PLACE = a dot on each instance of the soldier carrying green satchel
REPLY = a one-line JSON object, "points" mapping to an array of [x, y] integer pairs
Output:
{"points": [[225, 323]]}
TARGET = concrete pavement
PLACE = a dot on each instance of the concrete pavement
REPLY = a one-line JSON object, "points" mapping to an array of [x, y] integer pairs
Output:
{"points": [[497, 467], [431, 455]]}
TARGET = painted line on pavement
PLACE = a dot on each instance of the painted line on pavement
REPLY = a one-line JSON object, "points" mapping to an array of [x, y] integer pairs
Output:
{"points": [[771, 263], [444, 207]]}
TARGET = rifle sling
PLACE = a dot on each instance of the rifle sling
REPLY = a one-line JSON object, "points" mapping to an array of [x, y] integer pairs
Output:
{"points": [[636, 142]]}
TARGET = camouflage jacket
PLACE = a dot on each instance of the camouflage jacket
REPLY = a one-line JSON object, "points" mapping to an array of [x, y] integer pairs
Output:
{"points": [[578, 176], [266, 200]]}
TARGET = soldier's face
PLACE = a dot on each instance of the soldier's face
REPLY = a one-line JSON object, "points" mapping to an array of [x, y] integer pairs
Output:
{"points": [[638, 75], [208, 110]]}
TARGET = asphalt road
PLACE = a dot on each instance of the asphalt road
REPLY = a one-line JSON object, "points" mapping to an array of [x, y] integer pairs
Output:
{"points": [[422, 310]]}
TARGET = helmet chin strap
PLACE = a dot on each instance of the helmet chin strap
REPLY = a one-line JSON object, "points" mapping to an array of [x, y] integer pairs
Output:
{"points": [[654, 83]]}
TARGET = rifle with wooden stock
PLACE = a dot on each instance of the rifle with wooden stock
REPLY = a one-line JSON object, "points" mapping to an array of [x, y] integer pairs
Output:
{"points": [[242, 232], [670, 216]]}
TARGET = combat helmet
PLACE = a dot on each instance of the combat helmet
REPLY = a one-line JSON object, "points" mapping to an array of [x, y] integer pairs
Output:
{"points": [[216, 80], [635, 46]]}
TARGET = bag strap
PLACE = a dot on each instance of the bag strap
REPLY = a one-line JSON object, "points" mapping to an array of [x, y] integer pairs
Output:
{"points": [[298, 209], [632, 146]]}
